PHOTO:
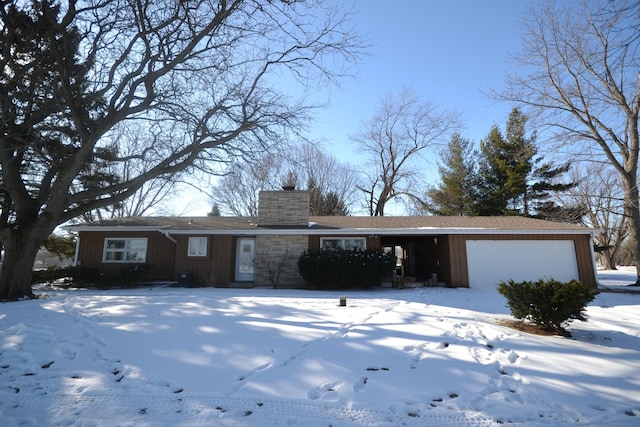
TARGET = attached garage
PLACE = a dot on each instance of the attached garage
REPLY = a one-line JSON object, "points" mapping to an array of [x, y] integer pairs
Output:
{"points": [[492, 261]]}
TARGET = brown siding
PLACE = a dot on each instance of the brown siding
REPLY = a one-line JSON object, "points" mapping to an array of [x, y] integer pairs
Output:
{"points": [[458, 253], [216, 269], [458, 261], [443, 256], [160, 253]]}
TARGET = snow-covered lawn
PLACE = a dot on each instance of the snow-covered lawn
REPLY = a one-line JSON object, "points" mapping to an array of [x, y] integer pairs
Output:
{"points": [[265, 357]]}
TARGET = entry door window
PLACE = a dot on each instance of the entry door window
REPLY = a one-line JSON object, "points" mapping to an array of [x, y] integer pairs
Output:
{"points": [[245, 259]]}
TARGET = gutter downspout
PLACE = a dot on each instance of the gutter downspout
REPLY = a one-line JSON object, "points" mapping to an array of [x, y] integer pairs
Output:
{"points": [[75, 256], [593, 257], [168, 236]]}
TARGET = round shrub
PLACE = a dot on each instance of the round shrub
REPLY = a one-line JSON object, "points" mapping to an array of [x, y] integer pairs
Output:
{"points": [[548, 303]]}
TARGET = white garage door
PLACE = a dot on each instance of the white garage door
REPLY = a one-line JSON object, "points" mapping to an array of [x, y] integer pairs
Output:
{"points": [[493, 261]]}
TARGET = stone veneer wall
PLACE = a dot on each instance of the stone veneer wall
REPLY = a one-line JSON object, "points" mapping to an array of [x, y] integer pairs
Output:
{"points": [[283, 208], [277, 260], [278, 254]]}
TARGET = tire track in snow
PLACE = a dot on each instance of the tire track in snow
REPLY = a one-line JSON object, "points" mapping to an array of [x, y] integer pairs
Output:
{"points": [[97, 410]]}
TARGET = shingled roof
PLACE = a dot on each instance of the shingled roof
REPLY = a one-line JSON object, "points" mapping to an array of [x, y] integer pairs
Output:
{"points": [[341, 224]]}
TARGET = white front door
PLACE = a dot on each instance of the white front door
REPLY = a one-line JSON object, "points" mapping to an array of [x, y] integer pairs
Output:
{"points": [[245, 259]]}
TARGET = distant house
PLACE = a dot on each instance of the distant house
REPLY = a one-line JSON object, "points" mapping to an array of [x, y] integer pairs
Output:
{"points": [[263, 251]]}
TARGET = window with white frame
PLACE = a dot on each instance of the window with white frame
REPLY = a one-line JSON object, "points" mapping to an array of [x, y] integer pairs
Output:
{"points": [[125, 250], [346, 243], [197, 246]]}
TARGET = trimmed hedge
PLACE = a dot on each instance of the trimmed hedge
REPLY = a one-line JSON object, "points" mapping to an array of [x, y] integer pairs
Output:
{"points": [[130, 275], [331, 269], [548, 303], [73, 275]]}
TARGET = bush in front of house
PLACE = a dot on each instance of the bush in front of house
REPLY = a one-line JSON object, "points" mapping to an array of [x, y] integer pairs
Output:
{"points": [[81, 276], [345, 268], [548, 303], [72, 275]]}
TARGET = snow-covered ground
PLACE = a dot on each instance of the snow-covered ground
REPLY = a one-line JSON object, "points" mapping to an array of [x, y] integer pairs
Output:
{"points": [[265, 357]]}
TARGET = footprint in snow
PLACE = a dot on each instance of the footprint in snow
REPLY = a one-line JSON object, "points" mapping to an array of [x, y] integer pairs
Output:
{"points": [[318, 392], [359, 386], [255, 371], [513, 356]]}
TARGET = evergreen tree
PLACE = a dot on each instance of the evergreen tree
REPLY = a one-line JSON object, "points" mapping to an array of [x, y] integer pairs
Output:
{"points": [[329, 204], [453, 196], [513, 180], [517, 160], [543, 185], [215, 210], [489, 192], [333, 205]]}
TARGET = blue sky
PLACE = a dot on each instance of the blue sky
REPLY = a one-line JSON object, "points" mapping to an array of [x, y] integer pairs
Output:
{"points": [[449, 52]]}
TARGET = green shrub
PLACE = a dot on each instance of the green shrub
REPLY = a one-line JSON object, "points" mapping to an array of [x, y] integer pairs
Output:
{"points": [[548, 303], [77, 276], [73, 275], [345, 268]]}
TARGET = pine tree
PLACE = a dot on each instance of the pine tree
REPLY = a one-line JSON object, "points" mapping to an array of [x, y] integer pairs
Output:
{"points": [[513, 180], [215, 210], [332, 205], [490, 195], [543, 184], [329, 204], [517, 161], [453, 195]]}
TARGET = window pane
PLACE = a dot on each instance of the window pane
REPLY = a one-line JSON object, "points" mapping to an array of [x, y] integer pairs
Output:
{"points": [[113, 256], [197, 246], [354, 244], [115, 244], [125, 250], [137, 244], [331, 244]]}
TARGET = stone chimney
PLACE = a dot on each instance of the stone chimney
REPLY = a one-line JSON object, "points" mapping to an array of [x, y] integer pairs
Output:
{"points": [[283, 208]]}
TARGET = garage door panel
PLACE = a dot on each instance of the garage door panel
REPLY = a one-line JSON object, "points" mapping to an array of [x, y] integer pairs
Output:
{"points": [[493, 261]]}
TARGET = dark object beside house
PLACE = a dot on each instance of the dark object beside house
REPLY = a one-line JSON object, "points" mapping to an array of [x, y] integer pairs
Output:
{"points": [[187, 279]]}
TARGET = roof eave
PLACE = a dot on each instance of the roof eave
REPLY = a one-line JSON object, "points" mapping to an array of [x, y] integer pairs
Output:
{"points": [[420, 231]]}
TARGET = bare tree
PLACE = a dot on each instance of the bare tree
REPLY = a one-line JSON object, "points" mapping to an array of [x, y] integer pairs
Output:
{"points": [[599, 194], [150, 197], [401, 129], [198, 79], [237, 191], [327, 175], [581, 61]]}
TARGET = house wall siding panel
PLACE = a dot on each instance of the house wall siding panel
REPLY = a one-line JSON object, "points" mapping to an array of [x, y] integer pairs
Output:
{"points": [[160, 253], [214, 269], [458, 261]]}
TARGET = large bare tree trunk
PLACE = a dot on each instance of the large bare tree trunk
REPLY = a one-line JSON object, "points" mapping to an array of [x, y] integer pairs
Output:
{"points": [[21, 249], [607, 256], [632, 212]]}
